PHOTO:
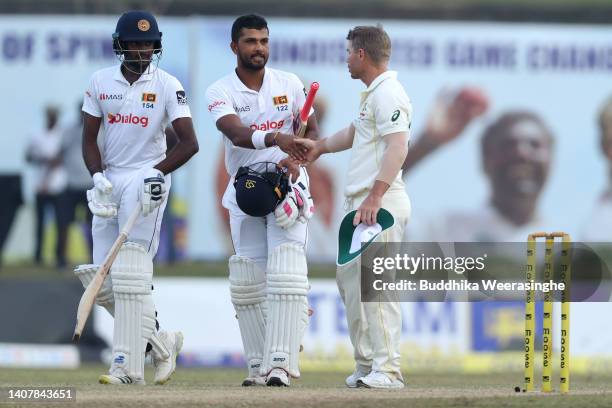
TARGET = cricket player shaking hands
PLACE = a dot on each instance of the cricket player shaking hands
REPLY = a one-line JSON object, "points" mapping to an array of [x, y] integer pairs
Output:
{"points": [[378, 139], [132, 103], [254, 107]]}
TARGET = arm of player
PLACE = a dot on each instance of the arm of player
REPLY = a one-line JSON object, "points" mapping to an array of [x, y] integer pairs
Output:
{"points": [[228, 122], [185, 147], [338, 142], [242, 136], [99, 199], [396, 149], [91, 152]]}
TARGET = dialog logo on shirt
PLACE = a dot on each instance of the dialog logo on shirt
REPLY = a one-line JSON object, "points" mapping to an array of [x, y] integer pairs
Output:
{"points": [[117, 118], [268, 125]]}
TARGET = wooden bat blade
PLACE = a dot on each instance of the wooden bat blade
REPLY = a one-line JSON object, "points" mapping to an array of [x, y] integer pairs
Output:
{"points": [[86, 304]]}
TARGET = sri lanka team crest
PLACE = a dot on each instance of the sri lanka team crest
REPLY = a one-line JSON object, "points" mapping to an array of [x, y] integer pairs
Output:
{"points": [[149, 97], [280, 100]]}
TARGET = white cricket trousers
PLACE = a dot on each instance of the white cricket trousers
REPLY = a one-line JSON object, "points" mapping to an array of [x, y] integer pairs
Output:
{"points": [[127, 185], [375, 327], [256, 237]]}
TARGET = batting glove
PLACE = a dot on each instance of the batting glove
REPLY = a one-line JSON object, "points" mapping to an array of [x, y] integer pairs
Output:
{"points": [[298, 205], [99, 198], [153, 192]]}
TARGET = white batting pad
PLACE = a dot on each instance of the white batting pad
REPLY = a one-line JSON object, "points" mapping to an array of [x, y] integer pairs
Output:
{"points": [[132, 276], [248, 293], [105, 297], [287, 308]]}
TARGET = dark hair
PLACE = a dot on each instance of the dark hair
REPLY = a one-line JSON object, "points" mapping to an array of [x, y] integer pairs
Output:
{"points": [[248, 21], [504, 124], [373, 40]]}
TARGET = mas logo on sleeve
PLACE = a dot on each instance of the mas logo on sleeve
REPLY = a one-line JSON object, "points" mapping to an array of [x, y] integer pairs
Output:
{"points": [[181, 98], [395, 115]]}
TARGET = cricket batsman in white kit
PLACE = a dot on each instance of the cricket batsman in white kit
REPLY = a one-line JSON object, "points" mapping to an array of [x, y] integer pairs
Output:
{"points": [[378, 139], [254, 107], [133, 103]]}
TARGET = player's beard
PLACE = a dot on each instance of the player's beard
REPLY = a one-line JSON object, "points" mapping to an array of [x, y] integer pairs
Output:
{"points": [[248, 63]]}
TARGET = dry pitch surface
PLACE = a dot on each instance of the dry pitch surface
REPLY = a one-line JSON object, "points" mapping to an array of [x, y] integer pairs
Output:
{"points": [[221, 388]]}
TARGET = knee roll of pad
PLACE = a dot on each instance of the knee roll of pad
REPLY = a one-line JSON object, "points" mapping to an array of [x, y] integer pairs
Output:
{"points": [[248, 293], [288, 308], [132, 275], [105, 297]]}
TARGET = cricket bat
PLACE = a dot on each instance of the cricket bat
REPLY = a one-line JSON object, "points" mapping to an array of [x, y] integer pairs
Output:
{"points": [[89, 296]]}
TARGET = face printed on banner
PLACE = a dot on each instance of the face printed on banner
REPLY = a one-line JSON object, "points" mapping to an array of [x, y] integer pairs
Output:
{"points": [[518, 158], [252, 48]]}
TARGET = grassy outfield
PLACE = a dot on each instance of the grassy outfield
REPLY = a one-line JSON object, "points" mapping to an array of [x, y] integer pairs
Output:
{"points": [[221, 388]]}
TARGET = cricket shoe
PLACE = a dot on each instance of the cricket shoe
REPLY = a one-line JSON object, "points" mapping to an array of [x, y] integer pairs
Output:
{"points": [[254, 377], [164, 368], [380, 380], [277, 377], [254, 381], [119, 380], [351, 380]]}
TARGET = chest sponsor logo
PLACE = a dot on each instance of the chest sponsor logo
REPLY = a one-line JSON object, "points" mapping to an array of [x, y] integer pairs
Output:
{"points": [[241, 109], [268, 125], [181, 98], [110, 97], [149, 97], [280, 100], [117, 118]]}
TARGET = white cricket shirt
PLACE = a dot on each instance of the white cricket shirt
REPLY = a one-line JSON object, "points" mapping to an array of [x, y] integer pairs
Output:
{"points": [[135, 116], [273, 108], [384, 109]]}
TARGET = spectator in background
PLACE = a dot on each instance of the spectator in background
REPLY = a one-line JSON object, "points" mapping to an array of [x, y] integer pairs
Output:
{"points": [[75, 193], [598, 227], [50, 180], [516, 155]]}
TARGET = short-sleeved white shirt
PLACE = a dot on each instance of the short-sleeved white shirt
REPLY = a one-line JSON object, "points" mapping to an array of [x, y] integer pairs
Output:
{"points": [[134, 117], [273, 108], [384, 109]]}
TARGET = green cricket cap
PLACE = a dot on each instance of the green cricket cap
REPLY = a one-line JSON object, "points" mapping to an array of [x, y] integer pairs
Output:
{"points": [[350, 238]]}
